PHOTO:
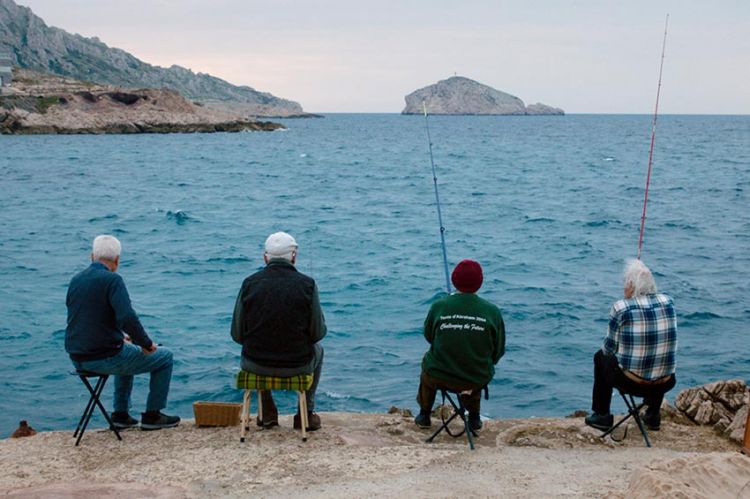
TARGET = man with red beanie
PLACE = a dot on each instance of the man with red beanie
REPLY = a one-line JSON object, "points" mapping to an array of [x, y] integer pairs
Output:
{"points": [[466, 334]]}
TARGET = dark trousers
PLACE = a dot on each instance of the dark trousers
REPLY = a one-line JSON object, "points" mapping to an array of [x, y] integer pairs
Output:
{"points": [[428, 387], [609, 375]]}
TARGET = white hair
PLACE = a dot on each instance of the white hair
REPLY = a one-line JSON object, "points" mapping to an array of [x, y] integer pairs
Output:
{"points": [[106, 248], [640, 277]]}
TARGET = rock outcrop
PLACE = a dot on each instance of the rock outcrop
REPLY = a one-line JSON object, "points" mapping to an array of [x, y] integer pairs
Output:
{"points": [[722, 404], [542, 109], [34, 45], [41, 104], [459, 95]]}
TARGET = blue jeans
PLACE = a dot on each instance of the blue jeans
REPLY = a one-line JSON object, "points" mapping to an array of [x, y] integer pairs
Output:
{"points": [[131, 360]]}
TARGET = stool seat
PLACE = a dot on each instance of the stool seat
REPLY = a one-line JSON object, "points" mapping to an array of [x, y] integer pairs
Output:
{"points": [[87, 374], [249, 381]]}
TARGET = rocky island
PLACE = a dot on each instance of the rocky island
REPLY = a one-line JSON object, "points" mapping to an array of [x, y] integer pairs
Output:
{"points": [[459, 95], [39, 103]]}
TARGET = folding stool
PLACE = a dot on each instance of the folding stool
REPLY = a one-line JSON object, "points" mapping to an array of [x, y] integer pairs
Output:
{"points": [[95, 392], [634, 411], [458, 411], [251, 381]]}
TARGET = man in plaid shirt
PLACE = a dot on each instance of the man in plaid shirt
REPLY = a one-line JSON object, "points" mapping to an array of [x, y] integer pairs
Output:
{"points": [[638, 354]]}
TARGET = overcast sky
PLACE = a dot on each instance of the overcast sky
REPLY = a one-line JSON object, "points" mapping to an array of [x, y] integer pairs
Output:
{"points": [[586, 56]]}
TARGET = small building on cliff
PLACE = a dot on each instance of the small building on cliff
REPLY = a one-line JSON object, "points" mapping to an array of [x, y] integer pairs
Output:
{"points": [[6, 71]]}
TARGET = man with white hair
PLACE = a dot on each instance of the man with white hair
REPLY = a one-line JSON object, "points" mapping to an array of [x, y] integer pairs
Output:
{"points": [[105, 336], [279, 323], [639, 350]]}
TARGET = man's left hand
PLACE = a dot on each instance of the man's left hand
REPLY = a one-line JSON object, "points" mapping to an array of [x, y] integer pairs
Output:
{"points": [[149, 350]]}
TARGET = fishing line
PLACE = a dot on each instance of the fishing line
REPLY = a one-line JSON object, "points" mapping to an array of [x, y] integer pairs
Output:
{"points": [[437, 201], [653, 138]]}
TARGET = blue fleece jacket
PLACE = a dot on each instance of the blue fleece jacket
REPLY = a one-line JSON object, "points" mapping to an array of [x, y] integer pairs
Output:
{"points": [[99, 312]]}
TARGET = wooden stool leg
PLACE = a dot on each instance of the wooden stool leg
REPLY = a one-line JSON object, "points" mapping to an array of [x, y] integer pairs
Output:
{"points": [[245, 415], [303, 414], [260, 406]]}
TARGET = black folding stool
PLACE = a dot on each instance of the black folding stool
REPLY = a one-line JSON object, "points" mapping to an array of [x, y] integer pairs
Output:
{"points": [[458, 411], [634, 411], [95, 392]]}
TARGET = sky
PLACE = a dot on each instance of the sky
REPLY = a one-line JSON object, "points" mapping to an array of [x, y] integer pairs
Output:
{"points": [[585, 56]]}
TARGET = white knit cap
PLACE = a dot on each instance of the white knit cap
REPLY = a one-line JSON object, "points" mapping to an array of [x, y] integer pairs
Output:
{"points": [[280, 245]]}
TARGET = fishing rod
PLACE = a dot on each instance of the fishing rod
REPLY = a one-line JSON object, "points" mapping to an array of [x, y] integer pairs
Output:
{"points": [[653, 138], [437, 200]]}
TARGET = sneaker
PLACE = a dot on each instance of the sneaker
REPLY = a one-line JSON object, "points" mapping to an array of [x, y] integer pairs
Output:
{"points": [[600, 421], [475, 422], [423, 420], [270, 413], [652, 421], [122, 420], [155, 420], [313, 421]]}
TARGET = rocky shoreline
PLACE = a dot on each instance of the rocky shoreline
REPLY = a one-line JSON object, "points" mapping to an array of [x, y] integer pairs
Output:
{"points": [[39, 103], [13, 127], [385, 455]]}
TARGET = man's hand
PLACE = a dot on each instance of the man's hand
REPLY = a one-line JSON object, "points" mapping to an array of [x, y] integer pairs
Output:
{"points": [[149, 350], [126, 338]]}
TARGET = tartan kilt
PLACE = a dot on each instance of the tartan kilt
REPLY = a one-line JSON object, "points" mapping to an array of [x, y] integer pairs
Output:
{"points": [[250, 381]]}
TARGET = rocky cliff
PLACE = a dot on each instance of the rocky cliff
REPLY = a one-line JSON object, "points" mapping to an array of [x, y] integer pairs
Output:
{"points": [[39, 103], [459, 95], [34, 45]]}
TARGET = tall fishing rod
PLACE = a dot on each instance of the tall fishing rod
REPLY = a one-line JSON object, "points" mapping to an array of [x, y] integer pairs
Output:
{"points": [[437, 201], [653, 138]]}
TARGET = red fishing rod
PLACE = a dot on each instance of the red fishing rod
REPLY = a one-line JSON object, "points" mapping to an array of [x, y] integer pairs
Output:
{"points": [[653, 139]]}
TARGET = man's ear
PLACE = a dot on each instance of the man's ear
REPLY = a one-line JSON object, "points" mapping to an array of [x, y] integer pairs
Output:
{"points": [[265, 257], [294, 257]]}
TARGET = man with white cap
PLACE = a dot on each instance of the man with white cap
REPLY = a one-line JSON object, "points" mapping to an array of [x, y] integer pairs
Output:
{"points": [[279, 323], [466, 334]]}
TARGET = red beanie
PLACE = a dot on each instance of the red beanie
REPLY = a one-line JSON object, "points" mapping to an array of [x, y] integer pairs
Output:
{"points": [[467, 276]]}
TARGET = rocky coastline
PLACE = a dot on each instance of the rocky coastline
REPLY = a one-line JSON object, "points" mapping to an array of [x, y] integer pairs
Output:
{"points": [[385, 455], [34, 45], [39, 103]]}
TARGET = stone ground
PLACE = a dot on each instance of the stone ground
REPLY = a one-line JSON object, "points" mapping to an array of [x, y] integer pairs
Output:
{"points": [[375, 455]]}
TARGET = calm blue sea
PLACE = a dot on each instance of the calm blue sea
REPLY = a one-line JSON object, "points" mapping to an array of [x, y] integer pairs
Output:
{"points": [[549, 205]]}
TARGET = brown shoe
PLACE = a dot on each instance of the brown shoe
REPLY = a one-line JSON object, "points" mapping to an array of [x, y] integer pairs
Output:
{"points": [[313, 422], [270, 413]]}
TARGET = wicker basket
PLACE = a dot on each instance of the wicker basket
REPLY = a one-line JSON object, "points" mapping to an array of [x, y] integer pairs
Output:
{"points": [[216, 413]]}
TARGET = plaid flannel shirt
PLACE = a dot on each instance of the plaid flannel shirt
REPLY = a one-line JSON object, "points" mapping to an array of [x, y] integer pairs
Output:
{"points": [[643, 335]]}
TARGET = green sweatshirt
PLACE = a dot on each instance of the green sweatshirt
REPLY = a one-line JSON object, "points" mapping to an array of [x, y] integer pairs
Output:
{"points": [[467, 338]]}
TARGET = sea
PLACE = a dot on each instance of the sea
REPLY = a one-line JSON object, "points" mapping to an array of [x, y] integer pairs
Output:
{"points": [[549, 205]]}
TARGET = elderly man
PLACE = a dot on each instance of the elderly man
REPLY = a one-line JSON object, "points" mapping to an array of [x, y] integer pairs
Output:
{"points": [[639, 350], [467, 338], [279, 323], [105, 336]]}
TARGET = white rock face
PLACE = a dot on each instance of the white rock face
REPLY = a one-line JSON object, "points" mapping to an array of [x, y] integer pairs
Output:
{"points": [[459, 95], [34, 45]]}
